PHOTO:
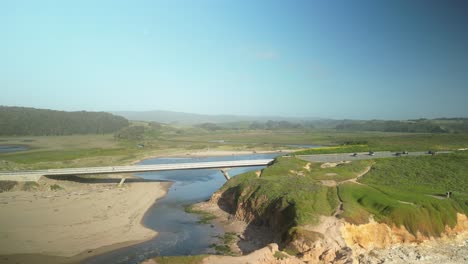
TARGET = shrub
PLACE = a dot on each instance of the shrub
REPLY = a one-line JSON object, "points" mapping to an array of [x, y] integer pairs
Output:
{"points": [[56, 187], [30, 185], [5, 186]]}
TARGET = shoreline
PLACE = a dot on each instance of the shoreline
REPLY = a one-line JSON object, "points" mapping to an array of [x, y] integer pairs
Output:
{"points": [[249, 238], [65, 256], [81, 221]]}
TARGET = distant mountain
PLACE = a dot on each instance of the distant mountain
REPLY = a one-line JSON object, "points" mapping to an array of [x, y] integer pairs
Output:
{"points": [[181, 118]]}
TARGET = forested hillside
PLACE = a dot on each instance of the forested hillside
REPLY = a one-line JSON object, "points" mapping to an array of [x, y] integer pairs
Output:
{"points": [[21, 121]]}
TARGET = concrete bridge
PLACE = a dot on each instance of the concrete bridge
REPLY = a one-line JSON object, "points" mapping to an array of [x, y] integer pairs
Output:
{"points": [[35, 175]]}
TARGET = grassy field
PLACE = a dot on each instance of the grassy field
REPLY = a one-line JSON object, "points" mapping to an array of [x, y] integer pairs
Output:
{"points": [[90, 150], [407, 191], [66, 151], [102, 150], [411, 192], [386, 142], [278, 137], [289, 187], [43, 143], [349, 141]]}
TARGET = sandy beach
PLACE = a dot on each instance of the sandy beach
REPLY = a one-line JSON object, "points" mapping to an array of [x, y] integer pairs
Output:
{"points": [[78, 218]]}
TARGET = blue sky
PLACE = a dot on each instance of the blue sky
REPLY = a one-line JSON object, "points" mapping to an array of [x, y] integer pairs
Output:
{"points": [[332, 59]]}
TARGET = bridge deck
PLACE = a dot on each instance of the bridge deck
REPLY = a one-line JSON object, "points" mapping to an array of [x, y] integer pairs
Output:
{"points": [[34, 175]]}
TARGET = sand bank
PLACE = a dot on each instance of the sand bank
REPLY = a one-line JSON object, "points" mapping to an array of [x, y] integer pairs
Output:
{"points": [[79, 218]]}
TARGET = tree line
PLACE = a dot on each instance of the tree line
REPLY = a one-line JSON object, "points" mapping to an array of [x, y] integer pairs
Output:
{"points": [[424, 126], [24, 121]]}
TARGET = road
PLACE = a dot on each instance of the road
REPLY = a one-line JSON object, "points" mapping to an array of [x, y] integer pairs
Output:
{"points": [[360, 156], [34, 175]]}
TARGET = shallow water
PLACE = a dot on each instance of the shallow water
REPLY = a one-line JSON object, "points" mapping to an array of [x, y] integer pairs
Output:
{"points": [[179, 232], [12, 148]]}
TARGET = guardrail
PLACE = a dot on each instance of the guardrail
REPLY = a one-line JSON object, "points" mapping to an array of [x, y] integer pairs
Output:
{"points": [[139, 168]]}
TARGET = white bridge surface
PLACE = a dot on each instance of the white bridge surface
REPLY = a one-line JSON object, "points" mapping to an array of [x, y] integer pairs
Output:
{"points": [[34, 175]]}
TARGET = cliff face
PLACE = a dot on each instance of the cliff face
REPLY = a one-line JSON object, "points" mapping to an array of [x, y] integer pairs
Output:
{"points": [[318, 243], [313, 221], [373, 235], [335, 241], [278, 215]]}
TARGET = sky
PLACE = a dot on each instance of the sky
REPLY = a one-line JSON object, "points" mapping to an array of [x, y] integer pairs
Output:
{"points": [[331, 59]]}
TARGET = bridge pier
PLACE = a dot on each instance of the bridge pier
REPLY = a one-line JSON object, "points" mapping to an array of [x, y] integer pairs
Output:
{"points": [[225, 173], [121, 182]]}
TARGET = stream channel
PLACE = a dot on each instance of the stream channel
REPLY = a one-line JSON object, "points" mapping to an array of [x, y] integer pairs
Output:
{"points": [[179, 233]]}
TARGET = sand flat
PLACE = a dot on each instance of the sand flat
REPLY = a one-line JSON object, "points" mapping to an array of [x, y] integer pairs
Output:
{"points": [[79, 218]]}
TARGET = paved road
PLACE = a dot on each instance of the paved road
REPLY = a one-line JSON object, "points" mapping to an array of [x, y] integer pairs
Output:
{"points": [[34, 175], [360, 156]]}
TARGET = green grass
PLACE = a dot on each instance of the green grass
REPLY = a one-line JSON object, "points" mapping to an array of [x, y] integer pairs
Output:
{"points": [[64, 155], [404, 192], [335, 149], [280, 137], [205, 217], [298, 199], [339, 173], [228, 238], [424, 174], [292, 251], [391, 142], [63, 142], [103, 150], [225, 242], [280, 255], [198, 259], [222, 249]]}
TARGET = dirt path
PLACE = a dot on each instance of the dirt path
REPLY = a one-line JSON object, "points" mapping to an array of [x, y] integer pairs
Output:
{"points": [[354, 180], [340, 208]]}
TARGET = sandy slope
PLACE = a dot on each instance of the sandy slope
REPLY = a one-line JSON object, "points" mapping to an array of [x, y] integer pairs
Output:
{"points": [[79, 218]]}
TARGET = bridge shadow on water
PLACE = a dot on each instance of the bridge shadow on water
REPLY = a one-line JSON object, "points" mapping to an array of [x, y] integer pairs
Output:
{"points": [[100, 179]]}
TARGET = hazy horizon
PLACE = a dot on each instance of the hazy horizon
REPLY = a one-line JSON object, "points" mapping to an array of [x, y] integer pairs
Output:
{"points": [[239, 117], [323, 59]]}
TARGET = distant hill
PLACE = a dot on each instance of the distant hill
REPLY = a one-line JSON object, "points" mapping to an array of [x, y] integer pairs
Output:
{"points": [[181, 118], [440, 125], [217, 122], [22, 121]]}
